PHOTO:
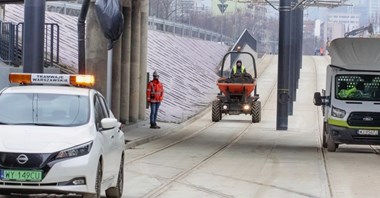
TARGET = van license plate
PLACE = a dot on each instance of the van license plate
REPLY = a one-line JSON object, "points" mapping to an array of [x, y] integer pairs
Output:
{"points": [[368, 132]]}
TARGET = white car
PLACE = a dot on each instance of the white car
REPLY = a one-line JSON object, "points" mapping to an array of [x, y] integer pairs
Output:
{"points": [[59, 139]]}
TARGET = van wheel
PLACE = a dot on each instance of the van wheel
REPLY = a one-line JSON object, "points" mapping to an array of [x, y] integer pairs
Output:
{"points": [[324, 141], [331, 146]]}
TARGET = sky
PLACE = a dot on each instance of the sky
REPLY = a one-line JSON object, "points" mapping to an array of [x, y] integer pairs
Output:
{"points": [[207, 3]]}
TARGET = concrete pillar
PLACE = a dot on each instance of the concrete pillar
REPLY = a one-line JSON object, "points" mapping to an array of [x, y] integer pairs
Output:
{"points": [[2, 12], [34, 31], [126, 62], [116, 78], [292, 59], [143, 57], [96, 51], [135, 62]]}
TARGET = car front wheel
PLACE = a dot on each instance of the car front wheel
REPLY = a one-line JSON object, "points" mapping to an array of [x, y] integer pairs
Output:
{"points": [[117, 191], [98, 182]]}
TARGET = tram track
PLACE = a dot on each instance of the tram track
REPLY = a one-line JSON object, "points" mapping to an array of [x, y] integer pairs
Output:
{"points": [[320, 138], [163, 188], [209, 125]]}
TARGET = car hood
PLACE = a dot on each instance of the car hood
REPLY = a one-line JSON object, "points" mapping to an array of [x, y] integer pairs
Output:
{"points": [[37, 139]]}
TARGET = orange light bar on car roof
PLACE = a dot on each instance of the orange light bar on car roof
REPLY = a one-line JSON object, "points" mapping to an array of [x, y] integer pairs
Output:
{"points": [[52, 79], [20, 78], [82, 80]]}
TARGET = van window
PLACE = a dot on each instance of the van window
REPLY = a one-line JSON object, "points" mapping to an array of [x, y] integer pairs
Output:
{"points": [[357, 87]]}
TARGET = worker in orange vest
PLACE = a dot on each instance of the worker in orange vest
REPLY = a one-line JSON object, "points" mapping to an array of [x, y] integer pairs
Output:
{"points": [[321, 51], [155, 94]]}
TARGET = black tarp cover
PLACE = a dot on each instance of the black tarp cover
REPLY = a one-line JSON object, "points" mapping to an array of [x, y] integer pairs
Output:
{"points": [[110, 18]]}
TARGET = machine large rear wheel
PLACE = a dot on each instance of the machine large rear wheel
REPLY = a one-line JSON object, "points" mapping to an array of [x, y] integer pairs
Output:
{"points": [[216, 111], [256, 112]]}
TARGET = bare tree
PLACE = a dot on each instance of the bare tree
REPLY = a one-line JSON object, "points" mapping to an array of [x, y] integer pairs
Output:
{"points": [[164, 9]]}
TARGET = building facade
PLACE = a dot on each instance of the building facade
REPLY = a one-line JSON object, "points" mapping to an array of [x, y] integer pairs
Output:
{"points": [[349, 21]]}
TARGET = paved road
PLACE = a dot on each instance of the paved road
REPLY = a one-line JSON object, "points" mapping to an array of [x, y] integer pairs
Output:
{"points": [[234, 158]]}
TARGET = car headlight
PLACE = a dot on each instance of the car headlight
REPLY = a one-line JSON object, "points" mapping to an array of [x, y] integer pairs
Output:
{"points": [[76, 151], [338, 113]]}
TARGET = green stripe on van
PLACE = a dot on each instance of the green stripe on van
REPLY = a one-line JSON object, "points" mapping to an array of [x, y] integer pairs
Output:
{"points": [[343, 123]]}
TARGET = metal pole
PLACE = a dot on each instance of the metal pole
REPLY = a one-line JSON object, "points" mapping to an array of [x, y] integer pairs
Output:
{"points": [[283, 65], [221, 29], [81, 37], [51, 44], [109, 73], [33, 33]]}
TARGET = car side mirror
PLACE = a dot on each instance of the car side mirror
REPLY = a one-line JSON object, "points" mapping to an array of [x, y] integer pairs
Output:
{"points": [[108, 123], [317, 99]]}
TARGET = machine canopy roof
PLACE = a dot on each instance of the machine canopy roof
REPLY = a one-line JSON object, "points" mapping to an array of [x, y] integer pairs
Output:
{"points": [[356, 53]]}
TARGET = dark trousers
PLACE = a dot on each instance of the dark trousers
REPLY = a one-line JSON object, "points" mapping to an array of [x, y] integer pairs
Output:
{"points": [[153, 113]]}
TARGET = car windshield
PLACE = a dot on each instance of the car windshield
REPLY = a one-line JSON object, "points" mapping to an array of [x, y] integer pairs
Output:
{"points": [[43, 109], [357, 87]]}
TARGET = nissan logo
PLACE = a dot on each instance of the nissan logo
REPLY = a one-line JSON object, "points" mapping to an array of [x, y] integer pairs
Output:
{"points": [[22, 159], [368, 119]]}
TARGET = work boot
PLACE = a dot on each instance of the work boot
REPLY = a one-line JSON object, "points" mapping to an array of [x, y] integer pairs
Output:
{"points": [[156, 126], [152, 126]]}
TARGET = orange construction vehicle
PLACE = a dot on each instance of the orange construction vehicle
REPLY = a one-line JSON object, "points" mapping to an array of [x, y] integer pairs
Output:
{"points": [[235, 95]]}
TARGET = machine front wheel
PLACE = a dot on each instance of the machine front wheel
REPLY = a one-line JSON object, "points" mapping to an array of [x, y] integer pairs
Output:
{"points": [[216, 111], [256, 112]]}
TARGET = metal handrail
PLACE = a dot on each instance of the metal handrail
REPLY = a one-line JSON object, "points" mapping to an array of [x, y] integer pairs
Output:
{"points": [[51, 49], [7, 41]]}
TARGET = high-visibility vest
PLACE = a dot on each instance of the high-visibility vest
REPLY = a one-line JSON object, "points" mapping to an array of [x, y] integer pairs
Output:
{"points": [[234, 69], [155, 91], [347, 93]]}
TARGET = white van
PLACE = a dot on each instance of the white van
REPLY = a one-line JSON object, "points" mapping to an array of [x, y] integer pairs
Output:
{"points": [[351, 101]]}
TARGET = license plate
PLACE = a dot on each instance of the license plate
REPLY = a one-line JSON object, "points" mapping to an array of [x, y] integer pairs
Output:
{"points": [[20, 175], [368, 132]]}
